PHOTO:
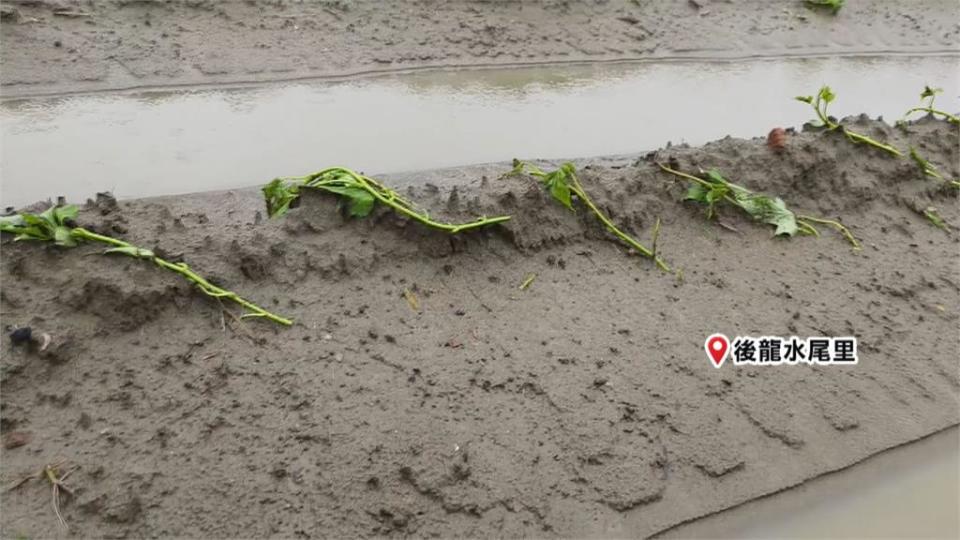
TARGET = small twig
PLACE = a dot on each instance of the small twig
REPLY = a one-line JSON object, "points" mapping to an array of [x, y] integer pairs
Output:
{"points": [[239, 322], [730, 228], [51, 474]]}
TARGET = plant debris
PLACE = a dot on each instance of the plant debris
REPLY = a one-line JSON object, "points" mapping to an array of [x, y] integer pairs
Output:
{"points": [[820, 103], [930, 94], [358, 196], [833, 5], [56, 225], [934, 217], [56, 478], [716, 189], [563, 185]]}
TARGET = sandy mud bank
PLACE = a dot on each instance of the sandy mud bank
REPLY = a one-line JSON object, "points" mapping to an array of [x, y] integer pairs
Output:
{"points": [[581, 405]]}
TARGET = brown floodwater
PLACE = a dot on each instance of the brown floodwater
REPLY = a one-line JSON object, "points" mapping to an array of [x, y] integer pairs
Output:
{"points": [[149, 144]]}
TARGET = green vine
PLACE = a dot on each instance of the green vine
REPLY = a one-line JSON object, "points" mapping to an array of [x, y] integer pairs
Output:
{"points": [[55, 225], [359, 194], [563, 184], [820, 103], [930, 94], [771, 210]]}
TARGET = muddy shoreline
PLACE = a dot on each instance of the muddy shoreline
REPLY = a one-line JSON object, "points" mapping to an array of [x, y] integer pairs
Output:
{"points": [[581, 406], [55, 47]]}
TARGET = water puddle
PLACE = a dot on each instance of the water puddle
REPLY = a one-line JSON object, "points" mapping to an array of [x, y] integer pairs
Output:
{"points": [[150, 144], [909, 492]]}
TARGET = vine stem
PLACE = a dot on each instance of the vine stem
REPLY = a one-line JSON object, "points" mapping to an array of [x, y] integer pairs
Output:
{"points": [[854, 137], [181, 268], [801, 219], [835, 224], [393, 200], [578, 190], [953, 119]]}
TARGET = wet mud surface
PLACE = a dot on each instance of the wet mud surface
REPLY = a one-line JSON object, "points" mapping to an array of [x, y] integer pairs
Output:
{"points": [[581, 406], [66, 46]]}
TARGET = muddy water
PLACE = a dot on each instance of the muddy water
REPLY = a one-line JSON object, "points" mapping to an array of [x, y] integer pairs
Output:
{"points": [[909, 492], [166, 143]]}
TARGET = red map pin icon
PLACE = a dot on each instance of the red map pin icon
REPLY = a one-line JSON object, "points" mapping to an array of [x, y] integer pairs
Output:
{"points": [[717, 346]]}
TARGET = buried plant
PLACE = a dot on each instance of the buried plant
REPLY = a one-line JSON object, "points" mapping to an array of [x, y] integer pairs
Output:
{"points": [[715, 189], [934, 217], [929, 170], [563, 185], [56, 478], [358, 196], [833, 5], [56, 225], [930, 94], [820, 103]]}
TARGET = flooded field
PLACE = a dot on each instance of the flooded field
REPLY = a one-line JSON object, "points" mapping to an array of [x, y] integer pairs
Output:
{"points": [[140, 145], [150, 144]]}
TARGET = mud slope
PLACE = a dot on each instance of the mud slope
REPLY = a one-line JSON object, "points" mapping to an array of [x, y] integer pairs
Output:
{"points": [[58, 46], [581, 406]]}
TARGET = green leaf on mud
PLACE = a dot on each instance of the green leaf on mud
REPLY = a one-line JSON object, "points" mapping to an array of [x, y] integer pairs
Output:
{"points": [[517, 167], [12, 224], [833, 5], [64, 213], [278, 196], [772, 211], [359, 201], [557, 184], [697, 192]]}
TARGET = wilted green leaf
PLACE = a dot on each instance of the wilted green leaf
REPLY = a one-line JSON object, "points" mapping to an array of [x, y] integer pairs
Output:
{"points": [[62, 237], [556, 182], [826, 94], [772, 211], [714, 176], [806, 99], [278, 196], [12, 224], [359, 201], [833, 5], [64, 213], [697, 192], [930, 92]]}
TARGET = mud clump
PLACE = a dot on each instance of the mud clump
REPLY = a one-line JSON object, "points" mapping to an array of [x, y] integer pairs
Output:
{"points": [[121, 308]]}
